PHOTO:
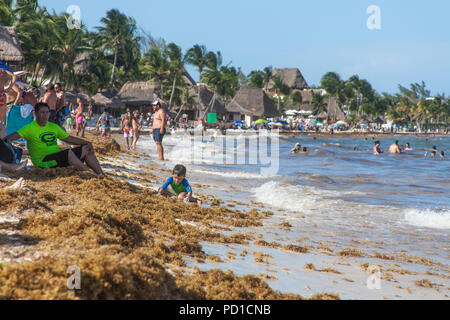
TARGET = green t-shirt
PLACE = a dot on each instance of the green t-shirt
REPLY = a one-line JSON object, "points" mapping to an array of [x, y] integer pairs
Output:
{"points": [[42, 141]]}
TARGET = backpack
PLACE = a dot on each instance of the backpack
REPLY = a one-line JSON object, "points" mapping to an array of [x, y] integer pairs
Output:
{"points": [[7, 153]]}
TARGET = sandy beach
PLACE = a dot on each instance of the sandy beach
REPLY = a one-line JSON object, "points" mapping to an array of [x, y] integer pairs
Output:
{"points": [[131, 243]]}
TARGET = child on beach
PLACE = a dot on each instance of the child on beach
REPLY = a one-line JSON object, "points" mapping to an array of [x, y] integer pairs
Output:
{"points": [[105, 122], [177, 185]]}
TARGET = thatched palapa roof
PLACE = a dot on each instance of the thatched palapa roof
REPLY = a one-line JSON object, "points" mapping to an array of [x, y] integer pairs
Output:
{"points": [[71, 97], [206, 97], [253, 102], [137, 94], [107, 98], [82, 63], [334, 111], [11, 51], [291, 77]]}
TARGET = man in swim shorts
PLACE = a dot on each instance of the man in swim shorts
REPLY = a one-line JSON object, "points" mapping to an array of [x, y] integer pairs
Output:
{"points": [[159, 128]]}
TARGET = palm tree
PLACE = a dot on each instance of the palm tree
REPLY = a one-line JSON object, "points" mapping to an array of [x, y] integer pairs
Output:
{"points": [[197, 56], [256, 79], [214, 77], [176, 67], [155, 66], [280, 88], [187, 100], [318, 104], [7, 17], [267, 76], [115, 29]]}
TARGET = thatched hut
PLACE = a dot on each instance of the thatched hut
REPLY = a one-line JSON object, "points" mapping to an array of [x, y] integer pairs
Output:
{"points": [[291, 77], [334, 111], [188, 80], [204, 101], [107, 99], [136, 95], [71, 98], [82, 63], [251, 104], [10, 49]]}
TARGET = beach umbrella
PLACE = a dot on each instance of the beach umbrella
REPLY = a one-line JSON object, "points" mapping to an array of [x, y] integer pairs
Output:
{"points": [[283, 122], [342, 123], [238, 122], [271, 123], [318, 122], [259, 121]]}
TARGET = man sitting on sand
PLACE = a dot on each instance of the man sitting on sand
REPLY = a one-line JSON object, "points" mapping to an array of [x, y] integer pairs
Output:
{"points": [[177, 185], [377, 150], [42, 140], [395, 149]]}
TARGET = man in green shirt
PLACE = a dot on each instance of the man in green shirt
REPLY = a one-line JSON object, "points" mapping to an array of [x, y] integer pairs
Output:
{"points": [[42, 141]]}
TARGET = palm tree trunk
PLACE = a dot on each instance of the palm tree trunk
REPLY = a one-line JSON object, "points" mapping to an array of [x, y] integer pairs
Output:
{"points": [[211, 104], [114, 65], [173, 91], [179, 113]]}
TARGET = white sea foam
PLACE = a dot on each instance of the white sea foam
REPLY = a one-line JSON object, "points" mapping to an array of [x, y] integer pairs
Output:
{"points": [[296, 197], [236, 174], [437, 219]]}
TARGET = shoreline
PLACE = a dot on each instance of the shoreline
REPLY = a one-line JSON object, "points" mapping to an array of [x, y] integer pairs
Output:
{"points": [[146, 132], [186, 239]]}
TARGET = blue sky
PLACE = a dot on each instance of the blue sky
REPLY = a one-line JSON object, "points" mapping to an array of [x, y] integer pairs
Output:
{"points": [[314, 36]]}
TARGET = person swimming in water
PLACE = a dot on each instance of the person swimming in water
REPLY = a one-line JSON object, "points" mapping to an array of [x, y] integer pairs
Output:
{"points": [[296, 149], [408, 147], [377, 150], [442, 155], [395, 149]]}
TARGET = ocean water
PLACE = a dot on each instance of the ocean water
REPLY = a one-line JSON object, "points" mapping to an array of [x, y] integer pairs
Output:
{"points": [[336, 188], [333, 196]]}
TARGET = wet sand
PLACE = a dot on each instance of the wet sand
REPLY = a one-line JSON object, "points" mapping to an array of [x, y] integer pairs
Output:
{"points": [[130, 243]]}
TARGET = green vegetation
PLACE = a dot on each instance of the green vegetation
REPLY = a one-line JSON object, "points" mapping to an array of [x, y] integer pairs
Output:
{"points": [[116, 53]]}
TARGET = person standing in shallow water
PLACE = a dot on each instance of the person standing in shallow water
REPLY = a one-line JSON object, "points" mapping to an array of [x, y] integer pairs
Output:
{"points": [[127, 127], [159, 128], [79, 118], [377, 150], [395, 149], [136, 127]]}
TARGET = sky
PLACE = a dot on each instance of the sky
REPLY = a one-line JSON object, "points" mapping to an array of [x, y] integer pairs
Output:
{"points": [[411, 44]]}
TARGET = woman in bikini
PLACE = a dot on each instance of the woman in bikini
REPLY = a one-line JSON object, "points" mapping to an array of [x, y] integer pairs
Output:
{"points": [[136, 127], [127, 127], [79, 118]]}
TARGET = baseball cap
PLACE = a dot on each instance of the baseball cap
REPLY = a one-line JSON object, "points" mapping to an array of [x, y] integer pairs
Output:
{"points": [[156, 103]]}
